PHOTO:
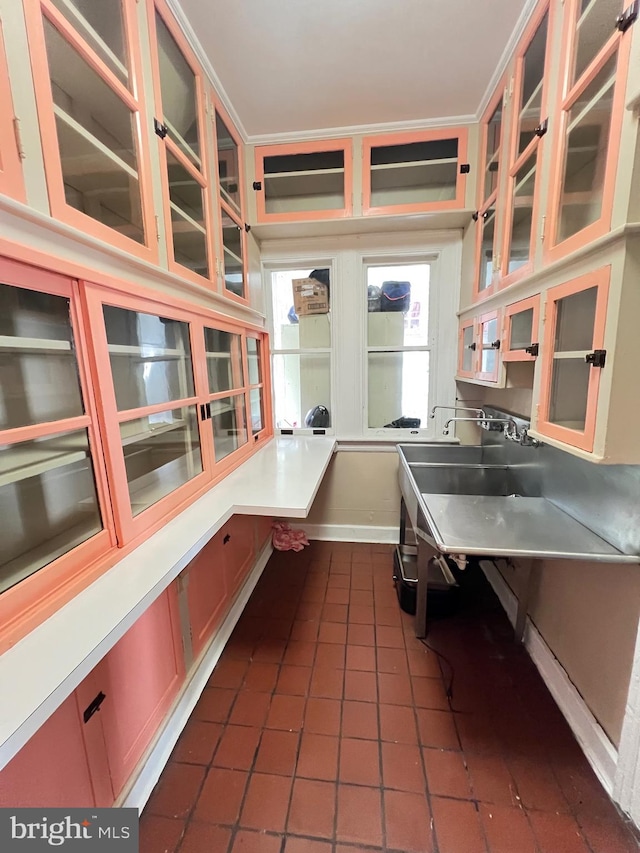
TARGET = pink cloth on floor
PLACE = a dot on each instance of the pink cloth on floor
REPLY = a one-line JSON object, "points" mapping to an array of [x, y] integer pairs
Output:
{"points": [[286, 539]]}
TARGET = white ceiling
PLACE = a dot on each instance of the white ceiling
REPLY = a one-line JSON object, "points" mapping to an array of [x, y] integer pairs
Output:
{"points": [[298, 66]]}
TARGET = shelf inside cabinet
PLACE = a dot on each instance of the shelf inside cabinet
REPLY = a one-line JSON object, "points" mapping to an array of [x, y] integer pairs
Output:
{"points": [[83, 165], [157, 353], [11, 343], [151, 433], [29, 460]]}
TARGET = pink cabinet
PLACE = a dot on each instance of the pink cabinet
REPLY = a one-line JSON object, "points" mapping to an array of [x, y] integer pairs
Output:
{"points": [[11, 182], [205, 580], [573, 358], [239, 549], [479, 348], [520, 330]]}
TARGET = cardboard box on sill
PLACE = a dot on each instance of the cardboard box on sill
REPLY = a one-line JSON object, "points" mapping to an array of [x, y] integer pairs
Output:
{"points": [[309, 297]]}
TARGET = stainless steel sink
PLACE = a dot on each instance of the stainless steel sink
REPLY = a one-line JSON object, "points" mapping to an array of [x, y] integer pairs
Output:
{"points": [[464, 479], [445, 453]]}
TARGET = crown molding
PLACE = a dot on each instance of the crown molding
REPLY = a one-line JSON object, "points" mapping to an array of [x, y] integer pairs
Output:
{"points": [[205, 62], [361, 129], [507, 55]]}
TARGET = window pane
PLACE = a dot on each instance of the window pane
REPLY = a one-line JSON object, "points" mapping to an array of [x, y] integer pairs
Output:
{"points": [[161, 453], [521, 330], [150, 358], [102, 26], [188, 226], [414, 173], [303, 182], [96, 140], [300, 383], [48, 502], [594, 28], [257, 414], [233, 255], [398, 305], [39, 379], [229, 423], [522, 214], [398, 385], [228, 167], [587, 143], [254, 355], [178, 90], [575, 321], [494, 130], [487, 223], [532, 82], [224, 360], [311, 331], [569, 393]]}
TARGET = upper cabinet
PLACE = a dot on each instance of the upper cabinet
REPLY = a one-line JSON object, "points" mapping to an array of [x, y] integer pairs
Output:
{"points": [[304, 180], [414, 172], [92, 119], [180, 127], [591, 96], [11, 182]]}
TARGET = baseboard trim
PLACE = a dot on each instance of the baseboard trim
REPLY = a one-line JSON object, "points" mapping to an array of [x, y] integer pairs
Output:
{"points": [[152, 763], [351, 533], [598, 749]]}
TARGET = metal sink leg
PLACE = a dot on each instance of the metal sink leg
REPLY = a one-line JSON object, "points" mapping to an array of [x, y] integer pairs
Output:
{"points": [[530, 575], [424, 555]]}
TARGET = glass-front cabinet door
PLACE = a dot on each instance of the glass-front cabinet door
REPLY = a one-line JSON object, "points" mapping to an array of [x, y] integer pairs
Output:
{"points": [[11, 182], [228, 150], [306, 180], [411, 172], [257, 365], [467, 349], [150, 406], [53, 504], [587, 140], [488, 346], [520, 335], [92, 119], [233, 254], [574, 358], [179, 126]]}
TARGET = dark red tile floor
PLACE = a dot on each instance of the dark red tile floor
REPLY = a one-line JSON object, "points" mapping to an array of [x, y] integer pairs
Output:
{"points": [[326, 728]]}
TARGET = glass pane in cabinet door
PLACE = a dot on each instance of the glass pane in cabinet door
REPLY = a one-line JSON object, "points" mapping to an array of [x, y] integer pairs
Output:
{"points": [[300, 383], [414, 173], [488, 361], [233, 256], [587, 143], [494, 131], [39, 379], [179, 98], [161, 453], [188, 226], [521, 330], [228, 164], [229, 423], [224, 360], [595, 26], [488, 225], [522, 214], [532, 83], [96, 139], [569, 393], [253, 360], [257, 414], [302, 182], [48, 502], [468, 351], [398, 384], [575, 320], [150, 358], [102, 27], [489, 331]]}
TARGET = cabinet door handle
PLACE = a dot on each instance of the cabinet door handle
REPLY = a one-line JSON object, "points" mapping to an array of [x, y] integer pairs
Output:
{"points": [[94, 706], [472, 346], [533, 350], [495, 345], [596, 358]]}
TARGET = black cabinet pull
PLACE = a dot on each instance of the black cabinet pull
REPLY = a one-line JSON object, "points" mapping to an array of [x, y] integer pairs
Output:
{"points": [[257, 185], [533, 350], [495, 345], [472, 346], [226, 539], [90, 710], [596, 358]]}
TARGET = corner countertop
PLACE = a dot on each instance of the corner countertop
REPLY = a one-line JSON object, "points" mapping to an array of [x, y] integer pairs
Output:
{"points": [[40, 671]]}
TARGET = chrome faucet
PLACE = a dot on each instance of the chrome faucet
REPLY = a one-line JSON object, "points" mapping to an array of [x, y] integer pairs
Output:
{"points": [[510, 431], [479, 412]]}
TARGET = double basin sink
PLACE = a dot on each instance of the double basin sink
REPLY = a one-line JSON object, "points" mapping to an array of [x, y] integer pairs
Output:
{"points": [[462, 505]]}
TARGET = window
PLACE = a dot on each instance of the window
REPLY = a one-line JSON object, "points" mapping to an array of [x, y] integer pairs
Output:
{"points": [[379, 354], [301, 350]]}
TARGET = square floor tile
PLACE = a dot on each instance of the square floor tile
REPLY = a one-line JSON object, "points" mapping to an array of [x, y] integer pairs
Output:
{"points": [[307, 845], [332, 632], [277, 752], [359, 720], [360, 686], [393, 661], [221, 796], [330, 655], [266, 802], [228, 673], [557, 832], [360, 762], [359, 815], [437, 729], [361, 658], [294, 680], [318, 757], [175, 794], [201, 837], [402, 767], [322, 716], [394, 689], [261, 677], [457, 826], [389, 637], [247, 841], [250, 709], [286, 712], [398, 724], [214, 704], [299, 653], [507, 829], [408, 823], [197, 742], [312, 808], [327, 682], [159, 833], [361, 635]]}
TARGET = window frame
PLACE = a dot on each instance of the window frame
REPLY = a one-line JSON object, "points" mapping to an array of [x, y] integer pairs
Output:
{"points": [[345, 257]]}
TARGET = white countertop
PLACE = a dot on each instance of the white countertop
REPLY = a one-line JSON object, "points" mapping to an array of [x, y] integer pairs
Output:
{"points": [[46, 666]]}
